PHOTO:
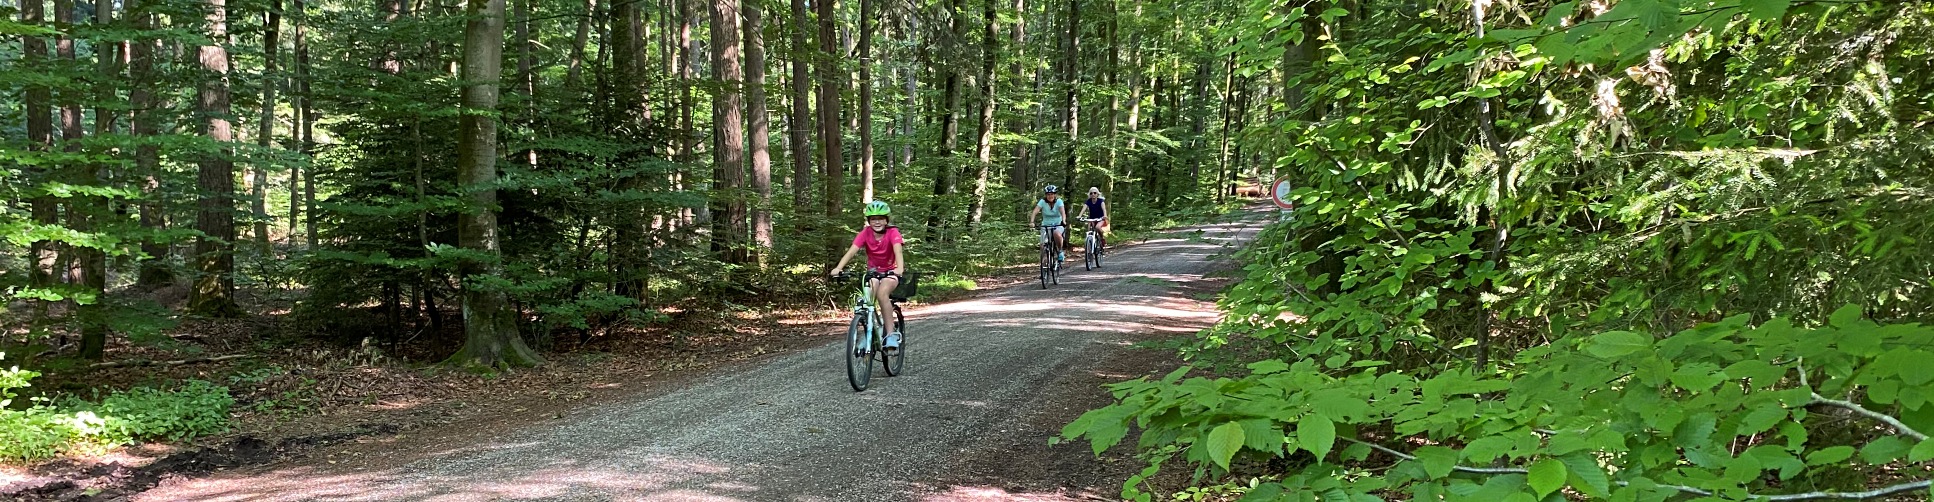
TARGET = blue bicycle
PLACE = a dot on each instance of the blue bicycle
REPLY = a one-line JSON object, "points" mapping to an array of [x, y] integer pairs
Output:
{"points": [[865, 342]]}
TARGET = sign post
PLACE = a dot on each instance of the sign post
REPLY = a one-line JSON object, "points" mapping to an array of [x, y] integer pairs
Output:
{"points": [[1279, 192]]}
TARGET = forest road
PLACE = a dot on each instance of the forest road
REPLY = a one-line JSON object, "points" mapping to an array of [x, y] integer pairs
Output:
{"points": [[987, 381]]}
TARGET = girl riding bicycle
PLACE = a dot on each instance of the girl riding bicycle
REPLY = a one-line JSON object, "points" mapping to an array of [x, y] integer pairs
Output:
{"points": [[885, 261], [1097, 208]]}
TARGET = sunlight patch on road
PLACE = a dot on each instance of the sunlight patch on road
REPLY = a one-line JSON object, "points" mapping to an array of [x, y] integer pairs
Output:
{"points": [[989, 493]]}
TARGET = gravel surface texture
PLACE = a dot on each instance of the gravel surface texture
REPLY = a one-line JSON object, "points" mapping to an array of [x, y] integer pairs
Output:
{"points": [[987, 380]]}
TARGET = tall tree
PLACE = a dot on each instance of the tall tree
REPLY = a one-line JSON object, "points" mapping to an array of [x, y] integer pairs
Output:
{"points": [[214, 290], [686, 103], [142, 54], [489, 324], [307, 126], [831, 82], [728, 224], [984, 145], [1071, 82], [800, 126], [755, 76], [578, 42], [93, 209], [866, 100], [38, 103], [265, 135], [944, 175]]}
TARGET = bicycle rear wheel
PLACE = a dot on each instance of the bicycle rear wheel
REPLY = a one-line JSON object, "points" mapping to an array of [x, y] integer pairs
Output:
{"points": [[895, 361], [859, 347]]}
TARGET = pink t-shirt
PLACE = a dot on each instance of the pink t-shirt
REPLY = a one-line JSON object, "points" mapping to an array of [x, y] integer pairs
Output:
{"points": [[879, 252]]}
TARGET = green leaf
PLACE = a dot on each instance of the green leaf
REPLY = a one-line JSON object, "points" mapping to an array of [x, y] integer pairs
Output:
{"points": [[1613, 344], [1766, 9], [1484, 450], [1922, 452], [1884, 450], [1267, 366], [1546, 476], [1224, 442], [1317, 434], [1587, 476], [1438, 461], [1831, 455], [1761, 419]]}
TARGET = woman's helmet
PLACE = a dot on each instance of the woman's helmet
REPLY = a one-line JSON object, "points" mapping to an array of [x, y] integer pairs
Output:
{"points": [[1094, 190], [878, 208], [1053, 189]]}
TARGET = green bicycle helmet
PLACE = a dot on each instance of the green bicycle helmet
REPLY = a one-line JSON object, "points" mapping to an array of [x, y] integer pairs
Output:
{"points": [[878, 208]]}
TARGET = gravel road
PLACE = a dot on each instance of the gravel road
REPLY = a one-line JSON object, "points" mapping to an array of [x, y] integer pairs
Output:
{"points": [[987, 380]]}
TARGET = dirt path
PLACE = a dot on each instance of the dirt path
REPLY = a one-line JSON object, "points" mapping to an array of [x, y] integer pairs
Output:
{"points": [[988, 381]]}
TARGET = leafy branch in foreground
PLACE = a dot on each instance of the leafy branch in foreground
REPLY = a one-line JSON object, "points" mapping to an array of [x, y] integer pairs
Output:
{"points": [[1725, 411]]}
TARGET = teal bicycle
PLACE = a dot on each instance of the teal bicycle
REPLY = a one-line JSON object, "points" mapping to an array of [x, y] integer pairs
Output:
{"points": [[866, 342]]}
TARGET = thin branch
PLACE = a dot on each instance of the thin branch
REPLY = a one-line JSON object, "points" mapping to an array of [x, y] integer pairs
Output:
{"points": [[1877, 492], [1458, 468], [1860, 410], [145, 362]]}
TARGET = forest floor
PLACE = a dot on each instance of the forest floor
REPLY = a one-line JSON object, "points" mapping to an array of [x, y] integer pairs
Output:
{"points": [[315, 409]]}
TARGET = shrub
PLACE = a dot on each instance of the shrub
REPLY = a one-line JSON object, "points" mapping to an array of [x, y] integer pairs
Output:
{"points": [[141, 414]]}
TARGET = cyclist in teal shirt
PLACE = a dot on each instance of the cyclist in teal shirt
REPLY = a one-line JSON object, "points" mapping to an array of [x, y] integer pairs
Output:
{"points": [[1054, 213]]}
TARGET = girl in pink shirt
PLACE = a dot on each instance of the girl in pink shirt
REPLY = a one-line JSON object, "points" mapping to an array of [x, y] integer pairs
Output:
{"points": [[885, 261]]}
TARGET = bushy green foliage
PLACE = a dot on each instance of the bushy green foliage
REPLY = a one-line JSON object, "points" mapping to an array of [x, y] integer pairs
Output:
{"points": [[1724, 409], [1545, 198], [44, 430]]}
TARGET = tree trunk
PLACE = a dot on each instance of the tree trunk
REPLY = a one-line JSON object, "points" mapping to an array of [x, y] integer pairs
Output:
{"points": [[800, 130], [1500, 229], [154, 269], [943, 176], [90, 209], [1109, 167], [866, 100], [265, 133], [308, 131], [755, 75], [38, 101], [71, 135], [1134, 95], [214, 290], [728, 225], [489, 324], [907, 119], [831, 80], [1228, 119], [984, 144], [578, 42], [1072, 84], [686, 104]]}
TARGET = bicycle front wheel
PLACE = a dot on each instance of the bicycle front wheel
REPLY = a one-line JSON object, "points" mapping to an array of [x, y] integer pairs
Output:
{"points": [[895, 361], [1090, 260], [1047, 264], [859, 348]]}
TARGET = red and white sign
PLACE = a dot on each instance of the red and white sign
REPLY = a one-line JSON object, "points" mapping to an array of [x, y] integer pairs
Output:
{"points": [[1279, 192]]}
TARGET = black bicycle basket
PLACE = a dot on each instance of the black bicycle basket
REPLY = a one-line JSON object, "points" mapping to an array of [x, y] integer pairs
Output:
{"points": [[909, 286]]}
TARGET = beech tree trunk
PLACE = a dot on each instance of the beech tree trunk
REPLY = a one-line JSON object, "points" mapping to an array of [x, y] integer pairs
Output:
{"points": [[728, 224], [489, 324], [755, 76], [984, 145], [265, 131], [943, 176], [800, 131], [154, 269], [214, 290], [866, 100], [831, 84]]}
